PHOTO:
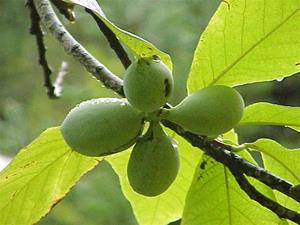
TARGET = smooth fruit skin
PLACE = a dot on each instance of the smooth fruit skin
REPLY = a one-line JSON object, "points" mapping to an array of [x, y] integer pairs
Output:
{"points": [[210, 111], [102, 126], [153, 163], [148, 84]]}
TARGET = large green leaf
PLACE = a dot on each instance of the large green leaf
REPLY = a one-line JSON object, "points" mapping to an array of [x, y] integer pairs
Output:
{"points": [[139, 46], [270, 114], [215, 198], [167, 207], [246, 42], [39, 177], [282, 162]]}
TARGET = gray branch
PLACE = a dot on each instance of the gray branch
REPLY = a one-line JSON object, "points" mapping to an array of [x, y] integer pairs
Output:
{"points": [[72, 47]]}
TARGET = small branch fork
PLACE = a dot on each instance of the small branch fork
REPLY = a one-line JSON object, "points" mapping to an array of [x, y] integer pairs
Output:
{"points": [[280, 210], [217, 150], [72, 47], [112, 39], [35, 29], [53, 90]]}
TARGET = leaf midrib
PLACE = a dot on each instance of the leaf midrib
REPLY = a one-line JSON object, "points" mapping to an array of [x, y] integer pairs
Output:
{"points": [[34, 177], [228, 196], [277, 160], [269, 123], [252, 48]]}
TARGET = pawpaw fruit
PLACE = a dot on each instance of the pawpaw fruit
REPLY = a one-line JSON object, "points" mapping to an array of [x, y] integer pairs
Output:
{"points": [[153, 163], [210, 111], [102, 126], [148, 83]]}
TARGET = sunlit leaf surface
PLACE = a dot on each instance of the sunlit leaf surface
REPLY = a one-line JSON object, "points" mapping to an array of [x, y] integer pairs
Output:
{"points": [[270, 114], [215, 198], [246, 42], [39, 177], [136, 44], [168, 206]]}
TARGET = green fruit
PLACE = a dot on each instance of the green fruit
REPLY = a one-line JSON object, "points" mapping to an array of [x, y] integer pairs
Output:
{"points": [[102, 126], [148, 83], [153, 163], [210, 111]]}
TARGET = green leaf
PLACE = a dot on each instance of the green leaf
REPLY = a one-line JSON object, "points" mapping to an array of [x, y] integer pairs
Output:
{"points": [[246, 42], [167, 207], [39, 177], [270, 114], [283, 162], [215, 198], [139, 46], [230, 137]]}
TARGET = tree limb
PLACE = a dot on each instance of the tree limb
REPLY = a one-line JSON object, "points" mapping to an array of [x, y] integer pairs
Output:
{"points": [[35, 29], [219, 151], [60, 78], [275, 207], [112, 39], [223, 154], [65, 8], [72, 47]]}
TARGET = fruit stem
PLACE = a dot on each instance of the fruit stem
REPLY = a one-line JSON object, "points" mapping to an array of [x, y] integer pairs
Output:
{"points": [[238, 148]]}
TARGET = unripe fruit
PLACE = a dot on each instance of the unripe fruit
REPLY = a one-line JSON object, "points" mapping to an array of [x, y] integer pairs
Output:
{"points": [[102, 126], [148, 83], [153, 163], [210, 111]]}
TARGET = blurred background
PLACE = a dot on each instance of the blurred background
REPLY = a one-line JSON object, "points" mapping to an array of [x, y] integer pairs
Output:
{"points": [[174, 26]]}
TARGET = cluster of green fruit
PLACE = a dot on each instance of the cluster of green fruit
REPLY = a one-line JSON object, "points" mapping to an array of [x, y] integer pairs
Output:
{"points": [[108, 125]]}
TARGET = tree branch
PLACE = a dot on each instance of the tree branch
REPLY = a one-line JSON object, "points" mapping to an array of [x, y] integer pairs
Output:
{"points": [[112, 40], [223, 154], [219, 151], [72, 47], [65, 8], [35, 29], [60, 78], [280, 210]]}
